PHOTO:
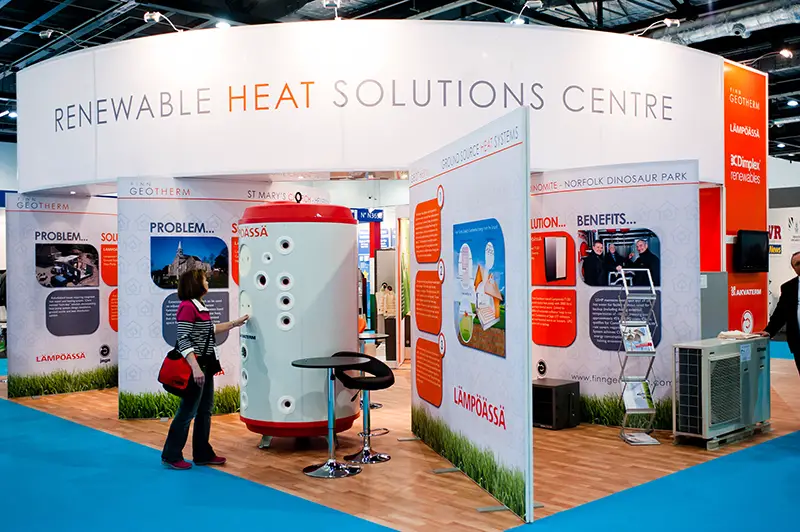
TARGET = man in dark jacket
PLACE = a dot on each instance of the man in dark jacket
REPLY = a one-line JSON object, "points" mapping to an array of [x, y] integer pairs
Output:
{"points": [[787, 312], [646, 261], [594, 271], [612, 260]]}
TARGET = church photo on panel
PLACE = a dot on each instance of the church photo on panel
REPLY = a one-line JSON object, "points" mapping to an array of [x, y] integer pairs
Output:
{"points": [[171, 256]]}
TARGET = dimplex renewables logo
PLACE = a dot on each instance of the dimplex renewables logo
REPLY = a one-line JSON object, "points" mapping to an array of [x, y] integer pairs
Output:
{"points": [[737, 161], [745, 291]]}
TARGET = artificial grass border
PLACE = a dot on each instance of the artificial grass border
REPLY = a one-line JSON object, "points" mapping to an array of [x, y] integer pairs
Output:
{"points": [[506, 485], [62, 381], [609, 410], [161, 404]]}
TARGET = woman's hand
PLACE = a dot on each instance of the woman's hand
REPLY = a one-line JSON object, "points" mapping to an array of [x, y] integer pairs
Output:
{"points": [[241, 321], [197, 373]]}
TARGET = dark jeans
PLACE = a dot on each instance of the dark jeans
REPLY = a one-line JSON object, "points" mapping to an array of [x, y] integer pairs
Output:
{"points": [[197, 406]]}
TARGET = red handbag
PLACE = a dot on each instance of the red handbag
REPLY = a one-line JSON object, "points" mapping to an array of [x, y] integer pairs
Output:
{"points": [[175, 373]]}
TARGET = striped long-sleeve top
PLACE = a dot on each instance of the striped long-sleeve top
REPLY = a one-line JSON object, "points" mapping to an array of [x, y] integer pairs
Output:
{"points": [[194, 328]]}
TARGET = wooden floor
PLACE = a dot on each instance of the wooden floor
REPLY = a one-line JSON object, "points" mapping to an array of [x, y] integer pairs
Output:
{"points": [[571, 467]]}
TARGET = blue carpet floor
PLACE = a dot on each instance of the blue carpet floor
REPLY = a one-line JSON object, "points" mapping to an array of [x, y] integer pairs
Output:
{"points": [[61, 476], [780, 350], [752, 489]]}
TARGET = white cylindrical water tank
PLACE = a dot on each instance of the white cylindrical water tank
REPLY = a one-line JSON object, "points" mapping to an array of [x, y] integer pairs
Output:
{"points": [[297, 276]]}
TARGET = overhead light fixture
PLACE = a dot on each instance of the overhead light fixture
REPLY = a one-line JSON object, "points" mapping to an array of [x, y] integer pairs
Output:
{"points": [[300, 177], [792, 103], [3, 113], [222, 25], [668, 22], [781, 145], [154, 17], [783, 52], [12, 114], [72, 192], [48, 34], [530, 4]]}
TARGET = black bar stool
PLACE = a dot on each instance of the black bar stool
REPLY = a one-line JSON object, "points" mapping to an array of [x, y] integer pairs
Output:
{"points": [[380, 377]]}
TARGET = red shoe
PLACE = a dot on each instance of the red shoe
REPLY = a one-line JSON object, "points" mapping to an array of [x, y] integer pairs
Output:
{"points": [[180, 465], [216, 461]]}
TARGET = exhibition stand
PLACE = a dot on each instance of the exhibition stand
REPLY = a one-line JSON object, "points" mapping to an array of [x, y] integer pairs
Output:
{"points": [[539, 195]]}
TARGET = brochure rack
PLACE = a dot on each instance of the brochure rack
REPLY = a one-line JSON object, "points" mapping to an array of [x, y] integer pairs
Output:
{"points": [[638, 311]]}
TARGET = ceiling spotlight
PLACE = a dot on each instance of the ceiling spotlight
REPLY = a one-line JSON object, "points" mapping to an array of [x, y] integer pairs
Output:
{"points": [[48, 34], [222, 25], [786, 53], [154, 17], [668, 22], [12, 114], [792, 103], [72, 192], [517, 21], [3, 113], [300, 177], [331, 4], [781, 145]]}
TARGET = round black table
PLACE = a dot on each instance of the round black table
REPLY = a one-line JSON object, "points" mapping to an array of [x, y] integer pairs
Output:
{"points": [[331, 468]]}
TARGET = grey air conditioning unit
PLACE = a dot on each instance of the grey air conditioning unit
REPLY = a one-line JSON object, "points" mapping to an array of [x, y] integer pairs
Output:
{"points": [[720, 387]]}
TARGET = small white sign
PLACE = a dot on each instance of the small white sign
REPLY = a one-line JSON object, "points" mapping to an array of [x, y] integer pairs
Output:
{"points": [[745, 352], [703, 281]]}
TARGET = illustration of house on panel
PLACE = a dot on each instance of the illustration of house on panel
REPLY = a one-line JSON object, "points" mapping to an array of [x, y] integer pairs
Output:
{"points": [[488, 298]]}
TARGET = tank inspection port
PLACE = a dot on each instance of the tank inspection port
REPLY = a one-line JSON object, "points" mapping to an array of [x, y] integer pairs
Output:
{"points": [[262, 280], [285, 321], [285, 245], [286, 404], [285, 281], [285, 301]]}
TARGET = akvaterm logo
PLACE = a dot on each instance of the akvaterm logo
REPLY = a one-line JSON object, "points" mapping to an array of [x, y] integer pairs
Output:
{"points": [[745, 291]]}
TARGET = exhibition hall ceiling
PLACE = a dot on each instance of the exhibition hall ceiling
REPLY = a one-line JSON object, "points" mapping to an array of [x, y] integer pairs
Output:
{"points": [[753, 32]]}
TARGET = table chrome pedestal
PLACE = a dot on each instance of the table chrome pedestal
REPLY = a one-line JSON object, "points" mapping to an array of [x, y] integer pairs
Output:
{"points": [[331, 468]]}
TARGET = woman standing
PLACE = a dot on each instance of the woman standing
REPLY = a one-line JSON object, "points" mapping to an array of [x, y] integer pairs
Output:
{"points": [[196, 342]]}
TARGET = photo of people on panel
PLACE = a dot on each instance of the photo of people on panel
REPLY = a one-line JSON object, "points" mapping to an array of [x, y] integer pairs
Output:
{"points": [[605, 253]]}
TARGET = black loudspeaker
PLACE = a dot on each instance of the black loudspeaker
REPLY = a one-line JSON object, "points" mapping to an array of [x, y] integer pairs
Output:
{"points": [[556, 404]]}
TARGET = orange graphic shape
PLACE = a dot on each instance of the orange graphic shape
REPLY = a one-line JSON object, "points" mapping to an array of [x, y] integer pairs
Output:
{"points": [[427, 232], [235, 259], [554, 317], [108, 264], [428, 302], [113, 310], [428, 375]]}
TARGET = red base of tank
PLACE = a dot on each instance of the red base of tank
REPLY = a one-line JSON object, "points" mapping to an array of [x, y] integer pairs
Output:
{"points": [[297, 430]]}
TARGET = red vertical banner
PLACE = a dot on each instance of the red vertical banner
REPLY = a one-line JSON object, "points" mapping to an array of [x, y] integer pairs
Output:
{"points": [[374, 238], [711, 229], [745, 93]]}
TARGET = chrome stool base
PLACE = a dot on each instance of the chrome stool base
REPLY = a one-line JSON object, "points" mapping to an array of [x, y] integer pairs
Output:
{"points": [[332, 469], [367, 456], [374, 433]]}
